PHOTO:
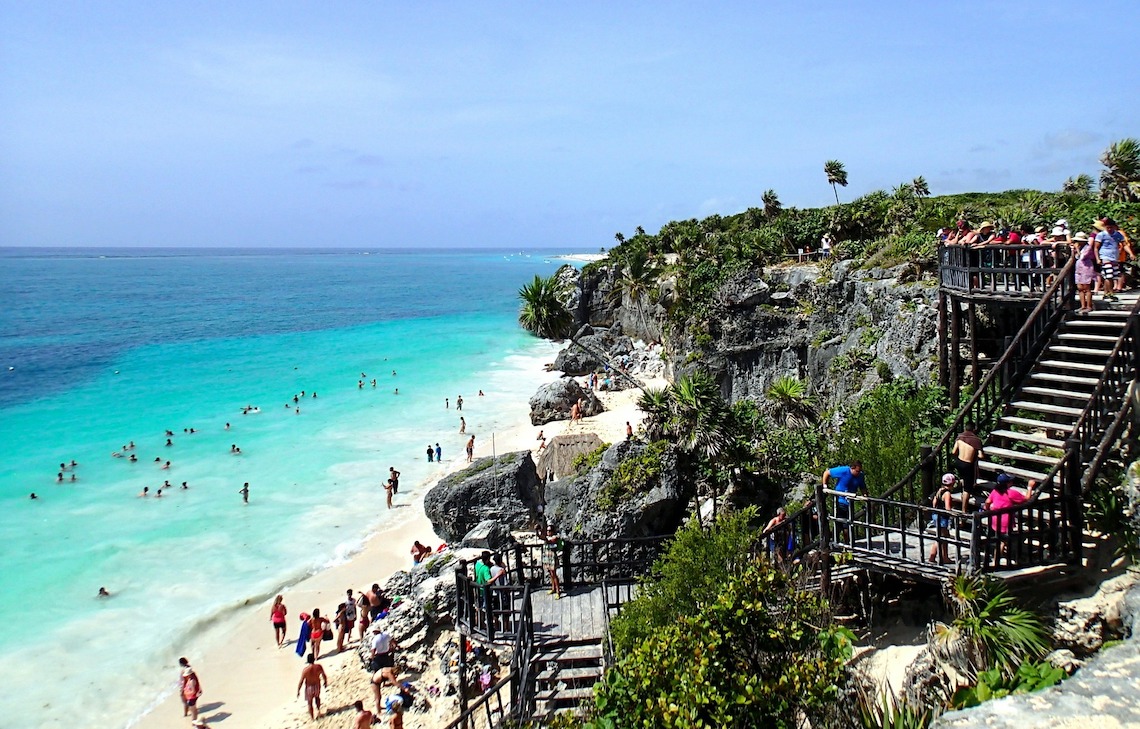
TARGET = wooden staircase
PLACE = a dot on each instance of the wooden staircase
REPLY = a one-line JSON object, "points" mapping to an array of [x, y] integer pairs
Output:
{"points": [[565, 673], [1030, 438]]}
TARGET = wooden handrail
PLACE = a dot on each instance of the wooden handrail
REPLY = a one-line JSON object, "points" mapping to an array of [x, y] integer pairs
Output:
{"points": [[1000, 369]]}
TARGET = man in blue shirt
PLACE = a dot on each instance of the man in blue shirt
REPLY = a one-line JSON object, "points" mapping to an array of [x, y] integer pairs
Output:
{"points": [[848, 480]]}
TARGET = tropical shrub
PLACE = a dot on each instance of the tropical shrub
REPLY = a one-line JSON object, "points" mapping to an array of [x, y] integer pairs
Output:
{"points": [[730, 642], [589, 461], [634, 474]]}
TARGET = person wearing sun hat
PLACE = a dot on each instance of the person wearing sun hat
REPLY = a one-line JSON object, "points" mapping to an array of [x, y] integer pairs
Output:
{"points": [[984, 235], [942, 500], [1085, 271]]}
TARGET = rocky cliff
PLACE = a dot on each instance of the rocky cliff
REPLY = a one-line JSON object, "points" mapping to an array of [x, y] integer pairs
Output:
{"points": [[840, 328]]}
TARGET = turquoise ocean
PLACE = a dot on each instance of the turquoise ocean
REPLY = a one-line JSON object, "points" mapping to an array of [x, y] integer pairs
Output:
{"points": [[99, 348]]}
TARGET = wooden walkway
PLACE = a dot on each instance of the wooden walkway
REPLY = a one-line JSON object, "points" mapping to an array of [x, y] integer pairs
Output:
{"points": [[579, 615]]}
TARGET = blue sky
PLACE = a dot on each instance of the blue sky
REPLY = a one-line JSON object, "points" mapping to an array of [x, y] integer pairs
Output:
{"points": [[378, 124]]}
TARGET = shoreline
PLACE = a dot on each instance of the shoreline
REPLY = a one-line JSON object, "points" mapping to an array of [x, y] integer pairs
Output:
{"points": [[259, 679]]}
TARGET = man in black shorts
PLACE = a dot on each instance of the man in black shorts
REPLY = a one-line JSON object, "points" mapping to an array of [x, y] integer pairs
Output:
{"points": [[394, 477]]}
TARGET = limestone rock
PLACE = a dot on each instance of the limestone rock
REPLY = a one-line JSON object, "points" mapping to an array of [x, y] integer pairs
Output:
{"points": [[593, 348], [553, 401], [572, 503], [502, 489], [488, 534]]}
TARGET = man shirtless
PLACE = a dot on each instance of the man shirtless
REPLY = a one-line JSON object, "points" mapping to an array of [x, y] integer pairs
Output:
{"points": [[967, 451], [363, 718], [311, 676]]}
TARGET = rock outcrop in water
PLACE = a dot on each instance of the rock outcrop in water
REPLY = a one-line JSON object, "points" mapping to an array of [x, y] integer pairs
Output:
{"points": [[502, 490]]}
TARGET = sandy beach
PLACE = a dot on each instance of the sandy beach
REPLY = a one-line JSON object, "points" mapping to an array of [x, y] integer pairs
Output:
{"points": [[249, 682]]}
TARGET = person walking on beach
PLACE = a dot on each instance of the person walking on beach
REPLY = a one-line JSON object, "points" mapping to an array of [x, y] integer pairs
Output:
{"points": [[317, 628], [438, 454], [430, 453], [311, 677], [471, 449], [388, 492], [459, 402], [349, 616], [244, 491], [189, 688], [277, 615], [462, 425], [394, 477]]}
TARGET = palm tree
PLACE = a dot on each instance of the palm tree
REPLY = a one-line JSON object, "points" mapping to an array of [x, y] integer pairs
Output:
{"points": [[619, 237], [543, 314], [1120, 178], [636, 280], [655, 404], [790, 401], [836, 175], [921, 189], [772, 205], [1081, 185]]}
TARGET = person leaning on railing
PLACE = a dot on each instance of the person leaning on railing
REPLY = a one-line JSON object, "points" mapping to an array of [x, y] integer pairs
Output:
{"points": [[848, 480], [1002, 497]]}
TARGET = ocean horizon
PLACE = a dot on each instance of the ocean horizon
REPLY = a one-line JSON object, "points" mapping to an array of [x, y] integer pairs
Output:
{"points": [[102, 347]]}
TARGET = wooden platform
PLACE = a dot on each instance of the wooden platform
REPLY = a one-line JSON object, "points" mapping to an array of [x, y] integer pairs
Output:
{"points": [[579, 615]]}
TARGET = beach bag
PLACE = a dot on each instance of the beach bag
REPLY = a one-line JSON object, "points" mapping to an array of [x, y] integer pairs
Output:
{"points": [[327, 634]]}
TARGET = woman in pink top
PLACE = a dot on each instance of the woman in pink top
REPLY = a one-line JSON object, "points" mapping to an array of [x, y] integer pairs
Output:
{"points": [[1003, 497], [277, 615]]}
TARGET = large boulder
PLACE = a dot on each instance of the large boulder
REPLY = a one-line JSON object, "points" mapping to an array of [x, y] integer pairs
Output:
{"points": [[572, 504], [502, 489], [488, 534], [593, 344], [554, 400]]}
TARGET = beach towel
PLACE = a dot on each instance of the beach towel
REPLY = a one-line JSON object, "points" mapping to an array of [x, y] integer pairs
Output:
{"points": [[303, 638]]}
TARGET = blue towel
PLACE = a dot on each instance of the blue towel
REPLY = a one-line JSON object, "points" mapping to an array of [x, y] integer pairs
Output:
{"points": [[303, 638]]}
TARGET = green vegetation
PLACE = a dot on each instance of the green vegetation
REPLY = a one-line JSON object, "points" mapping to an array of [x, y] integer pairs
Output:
{"points": [[719, 640], [634, 474], [992, 684], [589, 461], [887, 427], [884, 227]]}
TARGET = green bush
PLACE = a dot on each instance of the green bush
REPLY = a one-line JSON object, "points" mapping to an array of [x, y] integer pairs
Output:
{"points": [[634, 474], [887, 427], [732, 643], [589, 461]]}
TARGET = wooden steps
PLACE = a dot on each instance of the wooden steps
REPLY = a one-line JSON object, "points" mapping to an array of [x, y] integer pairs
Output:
{"points": [[1027, 438]]}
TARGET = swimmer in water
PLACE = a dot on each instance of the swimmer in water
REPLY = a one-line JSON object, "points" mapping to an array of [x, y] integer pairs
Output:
{"points": [[244, 491], [133, 459], [165, 484], [73, 463], [397, 391], [59, 477], [169, 442], [33, 496], [103, 592], [184, 486], [227, 426], [145, 491], [374, 383], [158, 460], [481, 394], [314, 396], [166, 466], [73, 478], [158, 494]]}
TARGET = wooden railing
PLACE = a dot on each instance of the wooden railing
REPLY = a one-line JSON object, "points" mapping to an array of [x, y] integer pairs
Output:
{"points": [[1005, 270], [488, 710], [584, 562], [986, 405], [488, 612]]}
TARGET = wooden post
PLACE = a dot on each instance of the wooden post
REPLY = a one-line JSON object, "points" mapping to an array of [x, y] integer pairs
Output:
{"points": [[463, 675], [519, 564], [824, 541], [1074, 499], [975, 377], [565, 565], [926, 458], [943, 374], [955, 352], [975, 543]]}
